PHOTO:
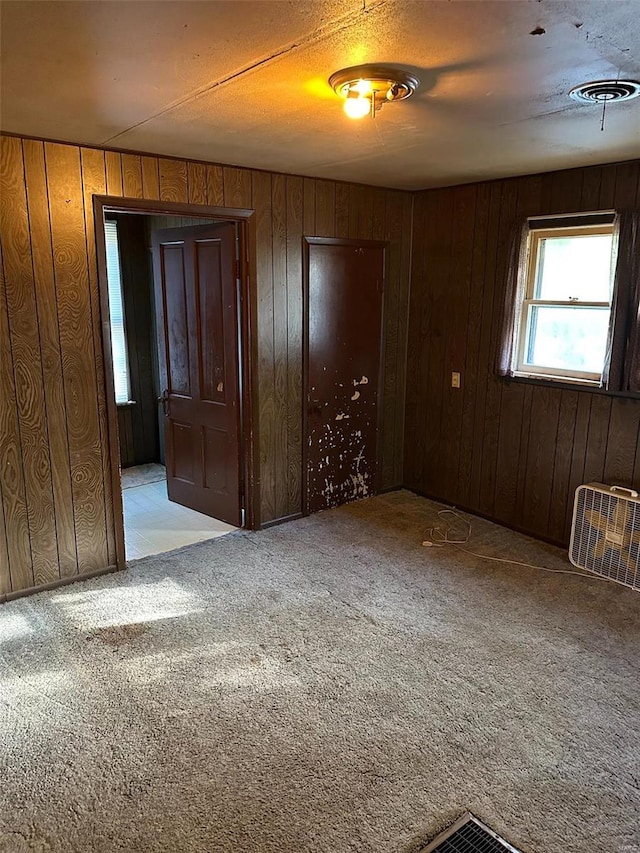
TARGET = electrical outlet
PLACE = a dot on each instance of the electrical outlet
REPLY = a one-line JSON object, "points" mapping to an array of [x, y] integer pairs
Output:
{"points": [[455, 379]]}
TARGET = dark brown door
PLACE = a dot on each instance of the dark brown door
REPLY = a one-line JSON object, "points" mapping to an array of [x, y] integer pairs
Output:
{"points": [[343, 345], [196, 301]]}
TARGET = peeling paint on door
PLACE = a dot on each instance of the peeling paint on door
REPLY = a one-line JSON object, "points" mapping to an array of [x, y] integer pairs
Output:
{"points": [[344, 356]]}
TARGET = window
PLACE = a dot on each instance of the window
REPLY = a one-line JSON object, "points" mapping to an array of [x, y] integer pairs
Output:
{"points": [[563, 327], [116, 314]]}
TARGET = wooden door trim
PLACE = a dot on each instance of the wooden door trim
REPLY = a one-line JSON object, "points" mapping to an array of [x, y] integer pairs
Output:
{"points": [[336, 241], [245, 220]]}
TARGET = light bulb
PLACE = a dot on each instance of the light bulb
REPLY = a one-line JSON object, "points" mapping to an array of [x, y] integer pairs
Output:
{"points": [[357, 107], [362, 87]]}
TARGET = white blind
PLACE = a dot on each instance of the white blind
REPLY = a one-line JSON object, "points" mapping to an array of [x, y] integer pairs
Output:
{"points": [[116, 314]]}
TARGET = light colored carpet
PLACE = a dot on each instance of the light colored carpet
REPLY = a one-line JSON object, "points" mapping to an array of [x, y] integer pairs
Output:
{"points": [[141, 475], [328, 685]]}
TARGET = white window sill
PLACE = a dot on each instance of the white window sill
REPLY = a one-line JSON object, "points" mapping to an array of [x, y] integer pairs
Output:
{"points": [[565, 380]]}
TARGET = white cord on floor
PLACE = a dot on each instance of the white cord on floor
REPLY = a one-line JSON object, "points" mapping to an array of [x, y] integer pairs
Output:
{"points": [[438, 537]]}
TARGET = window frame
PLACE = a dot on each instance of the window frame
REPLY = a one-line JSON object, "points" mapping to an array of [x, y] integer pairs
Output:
{"points": [[523, 369]]}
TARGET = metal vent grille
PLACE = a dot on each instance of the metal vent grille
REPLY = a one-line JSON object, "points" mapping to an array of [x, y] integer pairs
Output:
{"points": [[604, 91], [469, 835], [605, 536]]}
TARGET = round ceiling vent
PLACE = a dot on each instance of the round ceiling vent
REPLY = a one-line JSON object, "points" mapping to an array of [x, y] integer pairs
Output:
{"points": [[605, 91]]}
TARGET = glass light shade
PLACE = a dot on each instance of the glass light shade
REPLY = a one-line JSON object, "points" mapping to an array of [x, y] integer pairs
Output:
{"points": [[357, 107]]}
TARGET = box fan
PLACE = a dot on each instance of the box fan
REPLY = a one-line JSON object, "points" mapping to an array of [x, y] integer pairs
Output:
{"points": [[605, 533]]}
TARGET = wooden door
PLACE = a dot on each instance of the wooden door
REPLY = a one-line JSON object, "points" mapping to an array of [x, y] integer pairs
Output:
{"points": [[343, 356], [197, 305]]}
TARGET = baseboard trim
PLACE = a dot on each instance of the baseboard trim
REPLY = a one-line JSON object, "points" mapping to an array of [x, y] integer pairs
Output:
{"points": [[282, 520], [388, 489], [32, 590], [557, 542]]}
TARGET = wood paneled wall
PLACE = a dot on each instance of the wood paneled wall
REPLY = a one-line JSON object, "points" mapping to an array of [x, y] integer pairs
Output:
{"points": [[56, 502], [510, 450]]}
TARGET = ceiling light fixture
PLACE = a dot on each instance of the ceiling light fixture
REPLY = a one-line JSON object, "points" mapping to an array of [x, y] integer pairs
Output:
{"points": [[366, 88]]}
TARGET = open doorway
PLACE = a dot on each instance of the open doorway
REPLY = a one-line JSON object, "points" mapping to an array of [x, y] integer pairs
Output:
{"points": [[176, 290]]}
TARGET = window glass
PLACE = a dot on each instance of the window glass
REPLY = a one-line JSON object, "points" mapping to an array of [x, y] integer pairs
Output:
{"points": [[567, 338], [116, 314], [574, 268]]}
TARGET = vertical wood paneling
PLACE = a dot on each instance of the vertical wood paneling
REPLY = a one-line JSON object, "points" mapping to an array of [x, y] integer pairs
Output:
{"points": [[280, 331], [399, 392], [309, 209], [493, 398], [626, 185], [560, 492], [24, 335], [325, 208], [5, 572], [197, 183], [173, 180], [522, 449], [215, 186], [12, 480], [78, 354], [237, 186], [113, 164], [342, 211], [417, 299], [578, 452], [455, 341], [294, 200], [515, 399], [93, 181], [622, 446], [597, 438], [389, 223], [481, 428], [436, 332], [424, 254], [470, 384], [266, 383], [125, 437], [542, 439], [379, 213], [354, 197], [40, 229], [131, 176], [365, 213], [150, 178]]}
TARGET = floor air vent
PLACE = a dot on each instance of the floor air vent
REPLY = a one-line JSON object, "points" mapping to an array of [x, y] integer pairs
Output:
{"points": [[469, 835]]}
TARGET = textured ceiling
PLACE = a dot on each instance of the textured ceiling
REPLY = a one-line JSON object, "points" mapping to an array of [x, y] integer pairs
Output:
{"points": [[245, 83]]}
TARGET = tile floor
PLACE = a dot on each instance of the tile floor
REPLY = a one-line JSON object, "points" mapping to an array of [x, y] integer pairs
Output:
{"points": [[153, 523]]}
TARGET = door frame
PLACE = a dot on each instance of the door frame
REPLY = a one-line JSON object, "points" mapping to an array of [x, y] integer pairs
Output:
{"points": [[307, 242], [247, 341]]}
